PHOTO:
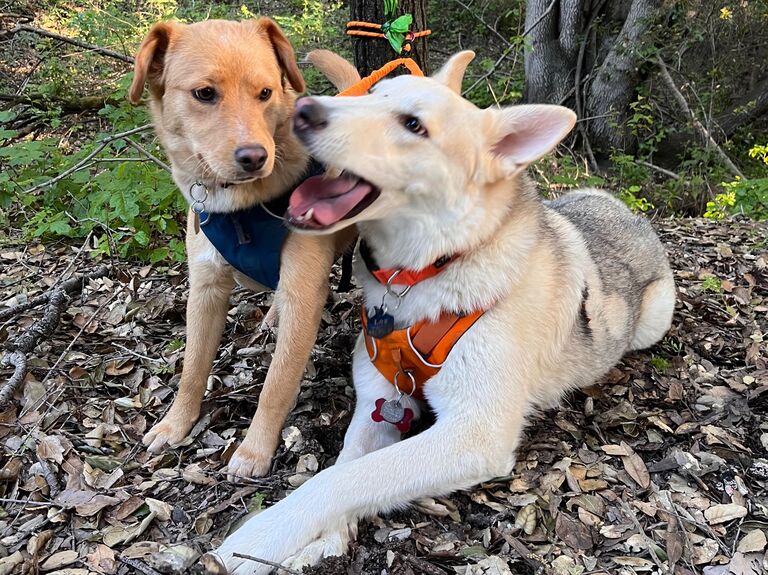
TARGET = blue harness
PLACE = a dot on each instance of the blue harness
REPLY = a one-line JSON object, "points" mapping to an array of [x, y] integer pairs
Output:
{"points": [[251, 240]]}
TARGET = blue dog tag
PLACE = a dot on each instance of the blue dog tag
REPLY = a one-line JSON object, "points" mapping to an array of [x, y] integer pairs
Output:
{"points": [[380, 323]]}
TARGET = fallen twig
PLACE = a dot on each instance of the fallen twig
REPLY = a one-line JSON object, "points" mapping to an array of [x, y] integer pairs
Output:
{"points": [[266, 562], [20, 346], [697, 125], [138, 565], [68, 40], [69, 286]]}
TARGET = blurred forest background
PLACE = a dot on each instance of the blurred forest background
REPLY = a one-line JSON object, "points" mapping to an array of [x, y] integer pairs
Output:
{"points": [[672, 95]]}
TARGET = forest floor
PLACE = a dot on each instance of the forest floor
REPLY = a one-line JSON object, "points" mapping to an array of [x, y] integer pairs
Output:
{"points": [[664, 463]]}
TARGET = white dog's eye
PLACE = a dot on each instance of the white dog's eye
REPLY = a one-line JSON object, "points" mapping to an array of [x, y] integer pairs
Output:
{"points": [[265, 94], [412, 124]]}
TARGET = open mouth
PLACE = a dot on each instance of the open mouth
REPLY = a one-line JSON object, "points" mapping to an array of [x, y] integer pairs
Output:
{"points": [[319, 202]]}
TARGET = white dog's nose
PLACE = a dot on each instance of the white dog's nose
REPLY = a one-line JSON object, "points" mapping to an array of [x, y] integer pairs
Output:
{"points": [[309, 115]]}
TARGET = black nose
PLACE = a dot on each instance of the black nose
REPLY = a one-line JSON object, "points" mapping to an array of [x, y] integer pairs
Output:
{"points": [[309, 115], [251, 158]]}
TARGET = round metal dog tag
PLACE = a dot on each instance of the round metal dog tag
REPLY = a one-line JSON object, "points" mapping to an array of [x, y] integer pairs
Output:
{"points": [[392, 412]]}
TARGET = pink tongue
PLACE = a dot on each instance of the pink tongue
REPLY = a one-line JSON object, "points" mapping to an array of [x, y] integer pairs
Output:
{"points": [[331, 198]]}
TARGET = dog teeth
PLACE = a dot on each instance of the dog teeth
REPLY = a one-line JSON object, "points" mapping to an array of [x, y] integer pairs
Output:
{"points": [[306, 216]]}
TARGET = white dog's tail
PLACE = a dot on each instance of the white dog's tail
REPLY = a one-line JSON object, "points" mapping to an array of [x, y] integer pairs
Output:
{"points": [[339, 72]]}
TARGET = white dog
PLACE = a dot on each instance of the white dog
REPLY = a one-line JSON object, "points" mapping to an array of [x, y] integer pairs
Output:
{"points": [[546, 297]]}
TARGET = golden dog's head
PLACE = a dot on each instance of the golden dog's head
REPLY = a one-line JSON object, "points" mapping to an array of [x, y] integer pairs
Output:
{"points": [[219, 95]]}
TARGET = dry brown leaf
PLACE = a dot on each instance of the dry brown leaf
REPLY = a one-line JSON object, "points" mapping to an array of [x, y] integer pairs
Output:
{"points": [[635, 467], [51, 448], [724, 512], [102, 560], [574, 533], [752, 542], [8, 564], [59, 559]]}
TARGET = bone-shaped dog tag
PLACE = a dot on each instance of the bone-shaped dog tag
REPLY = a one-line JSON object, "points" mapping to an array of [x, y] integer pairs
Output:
{"points": [[393, 412]]}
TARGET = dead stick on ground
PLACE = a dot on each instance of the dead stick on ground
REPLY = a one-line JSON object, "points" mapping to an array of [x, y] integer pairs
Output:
{"points": [[68, 40], [698, 126], [69, 286], [20, 346], [266, 562]]}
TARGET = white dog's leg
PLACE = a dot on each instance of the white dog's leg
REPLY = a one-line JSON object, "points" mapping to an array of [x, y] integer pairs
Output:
{"points": [[460, 450], [363, 436]]}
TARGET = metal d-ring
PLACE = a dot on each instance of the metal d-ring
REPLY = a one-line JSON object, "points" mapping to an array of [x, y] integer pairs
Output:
{"points": [[198, 203], [397, 295], [409, 373]]}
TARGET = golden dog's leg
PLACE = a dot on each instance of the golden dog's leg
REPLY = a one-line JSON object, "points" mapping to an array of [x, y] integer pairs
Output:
{"points": [[299, 300], [210, 285]]}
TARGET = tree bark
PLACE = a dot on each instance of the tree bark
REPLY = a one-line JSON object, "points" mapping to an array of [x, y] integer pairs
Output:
{"points": [[372, 53], [560, 31], [614, 84], [550, 63]]}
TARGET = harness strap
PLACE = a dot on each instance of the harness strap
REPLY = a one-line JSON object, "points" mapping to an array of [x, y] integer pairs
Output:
{"points": [[418, 351]]}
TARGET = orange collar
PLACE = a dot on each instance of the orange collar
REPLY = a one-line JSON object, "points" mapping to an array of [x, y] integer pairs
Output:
{"points": [[395, 276]]}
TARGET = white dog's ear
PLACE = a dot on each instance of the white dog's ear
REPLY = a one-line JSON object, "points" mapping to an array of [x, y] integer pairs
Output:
{"points": [[519, 135], [452, 72]]}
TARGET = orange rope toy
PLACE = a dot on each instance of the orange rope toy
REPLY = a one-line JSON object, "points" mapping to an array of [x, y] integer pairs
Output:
{"points": [[362, 87], [409, 36]]}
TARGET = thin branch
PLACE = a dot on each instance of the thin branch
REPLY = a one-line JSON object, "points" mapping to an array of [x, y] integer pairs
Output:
{"points": [[19, 347], [659, 169], [484, 23], [539, 19], [19, 361], [488, 74], [697, 125], [266, 562], [68, 40], [142, 150], [103, 143], [581, 127], [69, 286]]}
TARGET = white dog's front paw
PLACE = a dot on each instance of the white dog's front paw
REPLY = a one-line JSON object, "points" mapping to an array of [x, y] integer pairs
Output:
{"points": [[332, 544]]}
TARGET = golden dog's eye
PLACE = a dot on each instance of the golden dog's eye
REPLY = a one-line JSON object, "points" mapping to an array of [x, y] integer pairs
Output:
{"points": [[206, 94], [412, 124], [265, 94]]}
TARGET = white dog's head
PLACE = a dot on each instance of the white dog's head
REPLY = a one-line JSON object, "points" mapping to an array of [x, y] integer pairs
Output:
{"points": [[414, 148]]}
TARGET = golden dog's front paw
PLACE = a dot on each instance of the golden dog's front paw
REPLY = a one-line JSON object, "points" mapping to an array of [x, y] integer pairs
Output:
{"points": [[248, 462], [166, 434]]}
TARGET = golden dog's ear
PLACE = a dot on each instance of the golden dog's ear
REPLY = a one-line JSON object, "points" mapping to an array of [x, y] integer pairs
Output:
{"points": [[452, 72], [284, 52], [519, 135], [150, 61]]}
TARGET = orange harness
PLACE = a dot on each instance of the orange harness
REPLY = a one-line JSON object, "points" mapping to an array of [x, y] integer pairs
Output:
{"points": [[409, 357]]}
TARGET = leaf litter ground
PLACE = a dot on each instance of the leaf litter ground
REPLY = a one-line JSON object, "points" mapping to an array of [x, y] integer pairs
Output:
{"points": [[662, 467]]}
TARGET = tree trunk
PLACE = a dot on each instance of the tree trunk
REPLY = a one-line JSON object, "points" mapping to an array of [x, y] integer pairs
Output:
{"points": [[373, 53], [560, 31], [554, 27], [613, 87]]}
